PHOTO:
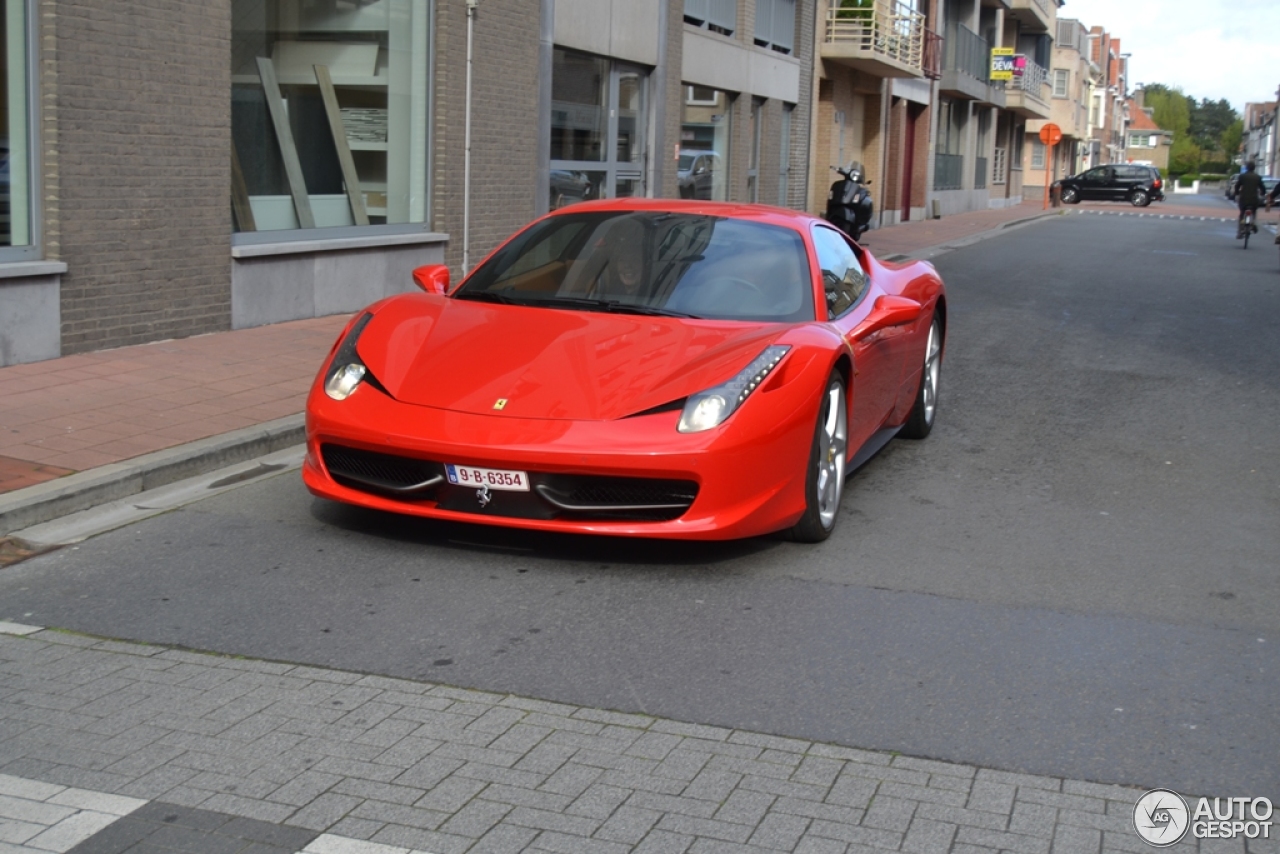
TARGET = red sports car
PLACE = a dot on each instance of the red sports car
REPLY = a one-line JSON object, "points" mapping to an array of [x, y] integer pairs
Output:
{"points": [[638, 367]]}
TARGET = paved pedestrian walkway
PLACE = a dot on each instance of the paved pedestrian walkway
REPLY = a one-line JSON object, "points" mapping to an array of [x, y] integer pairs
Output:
{"points": [[108, 747]]}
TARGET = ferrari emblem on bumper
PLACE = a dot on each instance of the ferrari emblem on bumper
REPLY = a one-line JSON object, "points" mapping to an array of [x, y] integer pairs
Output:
{"points": [[483, 496]]}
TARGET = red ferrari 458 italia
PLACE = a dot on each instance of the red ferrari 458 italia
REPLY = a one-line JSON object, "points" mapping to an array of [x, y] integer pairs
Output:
{"points": [[637, 367]]}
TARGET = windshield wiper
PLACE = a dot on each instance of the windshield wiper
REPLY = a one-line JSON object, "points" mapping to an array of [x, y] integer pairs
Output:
{"points": [[488, 296], [612, 306]]}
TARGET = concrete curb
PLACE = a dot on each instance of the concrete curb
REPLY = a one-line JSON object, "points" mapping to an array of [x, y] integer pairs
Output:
{"points": [[83, 490], [927, 252]]}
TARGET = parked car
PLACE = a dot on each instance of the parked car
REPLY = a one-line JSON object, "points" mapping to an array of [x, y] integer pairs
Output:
{"points": [[1120, 182], [696, 174], [633, 367], [1233, 184], [569, 187]]}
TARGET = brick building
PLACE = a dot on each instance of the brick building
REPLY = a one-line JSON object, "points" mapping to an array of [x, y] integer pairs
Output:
{"points": [[179, 167]]}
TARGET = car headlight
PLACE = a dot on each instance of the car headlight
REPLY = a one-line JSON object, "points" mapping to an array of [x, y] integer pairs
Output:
{"points": [[346, 371], [712, 407]]}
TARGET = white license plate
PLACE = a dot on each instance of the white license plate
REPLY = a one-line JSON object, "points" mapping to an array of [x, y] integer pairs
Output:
{"points": [[510, 481]]}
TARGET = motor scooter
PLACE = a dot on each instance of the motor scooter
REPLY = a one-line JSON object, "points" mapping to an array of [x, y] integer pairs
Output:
{"points": [[849, 205]]}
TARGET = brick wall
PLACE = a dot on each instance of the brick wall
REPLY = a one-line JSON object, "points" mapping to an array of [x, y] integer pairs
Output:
{"points": [[504, 123], [136, 135]]}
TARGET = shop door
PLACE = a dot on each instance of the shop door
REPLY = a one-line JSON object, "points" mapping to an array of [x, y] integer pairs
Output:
{"points": [[598, 129]]}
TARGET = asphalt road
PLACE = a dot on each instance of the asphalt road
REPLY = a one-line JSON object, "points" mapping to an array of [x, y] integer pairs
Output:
{"points": [[1076, 574]]}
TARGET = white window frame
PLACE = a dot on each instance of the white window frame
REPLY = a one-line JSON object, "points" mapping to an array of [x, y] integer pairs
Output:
{"points": [[1061, 82]]}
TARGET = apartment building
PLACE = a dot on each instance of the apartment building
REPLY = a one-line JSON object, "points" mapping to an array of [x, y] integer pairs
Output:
{"points": [[1260, 130], [1148, 143], [1070, 82], [180, 167]]}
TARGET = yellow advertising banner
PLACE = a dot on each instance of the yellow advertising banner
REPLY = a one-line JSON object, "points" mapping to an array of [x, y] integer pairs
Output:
{"points": [[1001, 63]]}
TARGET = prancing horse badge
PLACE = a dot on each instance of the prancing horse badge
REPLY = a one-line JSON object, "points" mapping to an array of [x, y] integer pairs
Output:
{"points": [[501, 403]]}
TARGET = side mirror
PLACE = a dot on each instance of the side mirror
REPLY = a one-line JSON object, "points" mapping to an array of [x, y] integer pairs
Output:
{"points": [[887, 311], [433, 278], [867, 182]]}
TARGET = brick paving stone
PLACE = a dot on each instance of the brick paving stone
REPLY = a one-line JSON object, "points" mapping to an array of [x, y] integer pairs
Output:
{"points": [[664, 842], [744, 807], [889, 813], [779, 832], [475, 819], [628, 825], [704, 827], [816, 845], [868, 836], [518, 797], [1032, 819], [1020, 780], [1057, 799], [504, 839], [1005, 841], [991, 797], [562, 843], [929, 837], [599, 801], [1076, 840]]}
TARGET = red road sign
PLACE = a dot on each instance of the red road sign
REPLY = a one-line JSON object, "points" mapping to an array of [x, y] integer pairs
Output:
{"points": [[1051, 134]]}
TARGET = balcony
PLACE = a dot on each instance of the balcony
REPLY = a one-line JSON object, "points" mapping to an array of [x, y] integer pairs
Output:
{"points": [[1036, 16], [1026, 95], [883, 38], [966, 67]]}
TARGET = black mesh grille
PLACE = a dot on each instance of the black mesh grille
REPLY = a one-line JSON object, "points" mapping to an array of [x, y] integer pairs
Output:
{"points": [[617, 490], [373, 469]]}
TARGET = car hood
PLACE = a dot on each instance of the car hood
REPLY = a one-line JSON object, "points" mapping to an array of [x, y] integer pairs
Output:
{"points": [[549, 363]]}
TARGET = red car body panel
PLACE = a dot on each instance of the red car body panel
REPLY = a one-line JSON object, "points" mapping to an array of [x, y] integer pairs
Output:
{"points": [[549, 390]]}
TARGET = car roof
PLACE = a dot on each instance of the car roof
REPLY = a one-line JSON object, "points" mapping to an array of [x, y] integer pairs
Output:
{"points": [[798, 220]]}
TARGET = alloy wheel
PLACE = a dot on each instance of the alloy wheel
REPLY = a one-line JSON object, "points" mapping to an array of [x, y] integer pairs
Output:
{"points": [[832, 447]]}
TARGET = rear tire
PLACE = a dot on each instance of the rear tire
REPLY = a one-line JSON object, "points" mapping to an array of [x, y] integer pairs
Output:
{"points": [[920, 421], [1140, 198], [824, 477]]}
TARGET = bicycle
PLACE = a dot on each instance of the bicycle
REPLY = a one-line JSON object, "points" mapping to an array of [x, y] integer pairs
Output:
{"points": [[1246, 226]]}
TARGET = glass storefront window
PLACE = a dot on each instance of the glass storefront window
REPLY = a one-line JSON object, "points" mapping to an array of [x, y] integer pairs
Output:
{"points": [[328, 113], [598, 124], [15, 150], [702, 171]]}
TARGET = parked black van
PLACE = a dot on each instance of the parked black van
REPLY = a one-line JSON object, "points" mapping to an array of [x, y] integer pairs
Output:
{"points": [[1118, 182]]}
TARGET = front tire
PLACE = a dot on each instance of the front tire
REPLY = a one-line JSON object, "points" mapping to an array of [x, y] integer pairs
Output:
{"points": [[920, 421], [824, 479], [1140, 198], [1070, 196]]}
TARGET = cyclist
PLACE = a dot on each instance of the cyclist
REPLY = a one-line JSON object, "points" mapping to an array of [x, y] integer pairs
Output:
{"points": [[1249, 193]]}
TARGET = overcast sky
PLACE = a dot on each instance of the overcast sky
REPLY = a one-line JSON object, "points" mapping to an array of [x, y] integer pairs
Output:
{"points": [[1209, 48]]}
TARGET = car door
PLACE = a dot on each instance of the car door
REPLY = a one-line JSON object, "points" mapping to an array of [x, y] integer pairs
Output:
{"points": [[850, 295], [1093, 183]]}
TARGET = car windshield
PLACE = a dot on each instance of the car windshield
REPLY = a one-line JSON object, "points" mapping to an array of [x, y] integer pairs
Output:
{"points": [[686, 162], [652, 262]]}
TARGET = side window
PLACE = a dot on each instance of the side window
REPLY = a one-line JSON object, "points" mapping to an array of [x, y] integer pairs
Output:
{"points": [[842, 275], [1098, 174]]}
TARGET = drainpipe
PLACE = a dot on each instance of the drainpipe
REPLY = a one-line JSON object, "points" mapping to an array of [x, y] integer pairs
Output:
{"points": [[466, 145]]}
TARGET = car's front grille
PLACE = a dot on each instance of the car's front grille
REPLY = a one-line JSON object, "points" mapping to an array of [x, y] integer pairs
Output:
{"points": [[553, 496], [363, 469]]}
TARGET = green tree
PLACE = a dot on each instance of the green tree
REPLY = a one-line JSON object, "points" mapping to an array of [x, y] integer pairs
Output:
{"points": [[1209, 120], [1231, 139]]}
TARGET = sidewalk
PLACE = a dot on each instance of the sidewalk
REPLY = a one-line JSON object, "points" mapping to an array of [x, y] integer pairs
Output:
{"points": [[94, 427], [108, 747]]}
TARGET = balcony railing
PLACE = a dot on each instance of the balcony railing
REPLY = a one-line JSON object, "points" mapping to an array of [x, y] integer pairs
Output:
{"points": [[1032, 80], [948, 171], [932, 67], [968, 53], [886, 28]]}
